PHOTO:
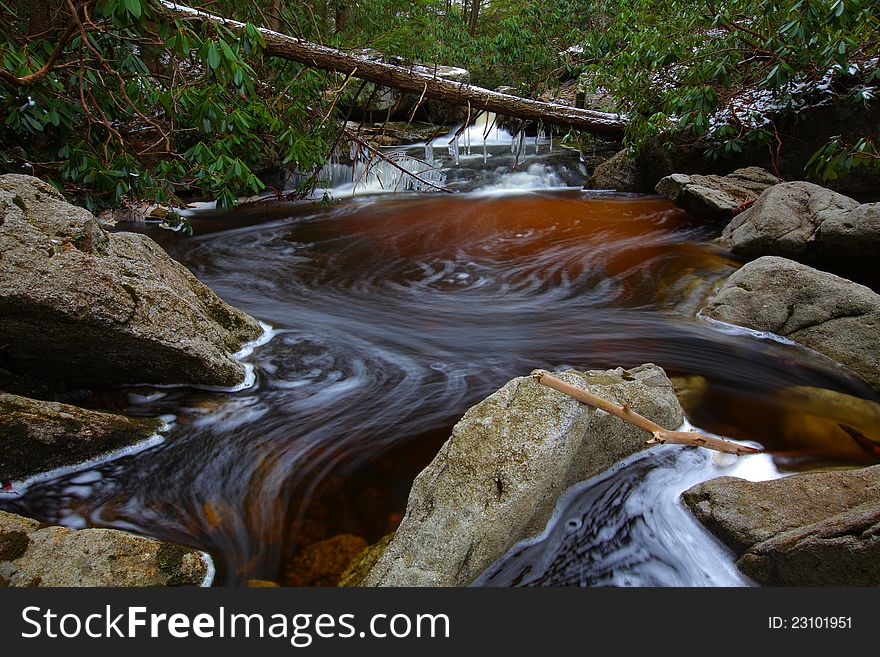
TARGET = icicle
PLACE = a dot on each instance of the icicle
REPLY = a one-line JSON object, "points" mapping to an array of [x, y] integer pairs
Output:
{"points": [[467, 141], [453, 148], [551, 140], [485, 151], [429, 152]]}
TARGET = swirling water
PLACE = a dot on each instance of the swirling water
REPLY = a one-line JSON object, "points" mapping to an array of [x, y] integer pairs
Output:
{"points": [[391, 317]]}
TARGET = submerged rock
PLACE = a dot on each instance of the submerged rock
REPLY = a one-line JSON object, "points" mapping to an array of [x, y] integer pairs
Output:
{"points": [[33, 554], [824, 312], [36, 436], [496, 480], [715, 198], [828, 423], [814, 529], [811, 224], [322, 563], [78, 304]]}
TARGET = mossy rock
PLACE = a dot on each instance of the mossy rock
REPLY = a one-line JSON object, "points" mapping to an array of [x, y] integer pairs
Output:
{"points": [[36, 436], [34, 554]]}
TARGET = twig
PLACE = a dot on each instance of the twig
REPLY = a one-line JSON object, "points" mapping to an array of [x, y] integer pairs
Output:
{"points": [[660, 435], [418, 104], [336, 97]]}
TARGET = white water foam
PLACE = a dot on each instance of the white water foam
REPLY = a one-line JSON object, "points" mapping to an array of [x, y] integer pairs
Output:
{"points": [[21, 486], [734, 329], [210, 570]]}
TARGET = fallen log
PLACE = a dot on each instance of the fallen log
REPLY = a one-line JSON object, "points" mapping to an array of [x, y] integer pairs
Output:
{"points": [[418, 80]]}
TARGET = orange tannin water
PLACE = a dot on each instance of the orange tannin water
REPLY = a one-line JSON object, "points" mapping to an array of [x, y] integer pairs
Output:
{"points": [[391, 318]]}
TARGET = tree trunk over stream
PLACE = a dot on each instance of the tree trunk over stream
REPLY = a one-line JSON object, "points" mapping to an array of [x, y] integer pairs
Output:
{"points": [[419, 80]]}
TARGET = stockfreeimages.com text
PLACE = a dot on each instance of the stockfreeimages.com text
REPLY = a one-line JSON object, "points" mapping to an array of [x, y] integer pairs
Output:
{"points": [[299, 629]]}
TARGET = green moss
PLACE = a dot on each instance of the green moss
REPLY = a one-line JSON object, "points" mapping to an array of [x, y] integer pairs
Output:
{"points": [[169, 558], [19, 201], [13, 545], [744, 286]]}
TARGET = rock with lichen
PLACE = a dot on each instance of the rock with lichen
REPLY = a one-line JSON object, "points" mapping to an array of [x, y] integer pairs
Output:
{"points": [[34, 554], [716, 198], [496, 480], [824, 312], [810, 224], [78, 304], [36, 435]]}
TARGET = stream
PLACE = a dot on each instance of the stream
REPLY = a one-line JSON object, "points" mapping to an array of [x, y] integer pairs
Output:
{"points": [[390, 316]]}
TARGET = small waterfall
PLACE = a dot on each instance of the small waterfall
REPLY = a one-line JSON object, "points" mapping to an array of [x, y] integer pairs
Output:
{"points": [[370, 173], [484, 129]]}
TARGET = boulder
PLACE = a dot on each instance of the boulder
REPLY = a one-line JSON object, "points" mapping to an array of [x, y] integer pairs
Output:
{"points": [[78, 304], [496, 480], [715, 198], [36, 436], [824, 312], [810, 224], [620, 172], [33, 554], [813, 529]]}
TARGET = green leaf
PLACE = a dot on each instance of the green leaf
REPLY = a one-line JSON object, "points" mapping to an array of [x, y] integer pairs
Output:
{"points": [[227, 52], [133, 7], [213, 55]]}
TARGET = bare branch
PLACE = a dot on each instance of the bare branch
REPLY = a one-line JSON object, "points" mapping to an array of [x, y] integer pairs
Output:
{"points": [[658, 433]]}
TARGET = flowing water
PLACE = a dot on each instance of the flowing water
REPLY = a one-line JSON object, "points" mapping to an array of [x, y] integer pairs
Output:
{"points": [[390, 317]]}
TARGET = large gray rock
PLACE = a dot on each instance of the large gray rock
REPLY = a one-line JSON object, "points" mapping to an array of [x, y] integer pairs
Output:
{"points": [[33, 554], [814, 529], [824, 312], [620, 172], [79, 304], [714, 198], [496, 480], [36, 436], [810, 224]]}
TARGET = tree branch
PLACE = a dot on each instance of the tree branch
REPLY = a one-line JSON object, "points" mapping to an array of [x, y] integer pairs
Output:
{"points": [[660, 435], [43, 71]]}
